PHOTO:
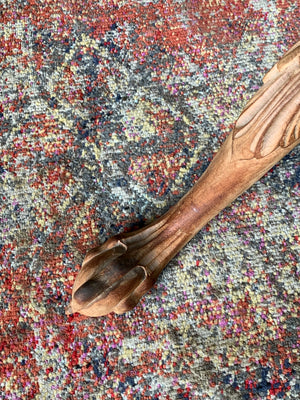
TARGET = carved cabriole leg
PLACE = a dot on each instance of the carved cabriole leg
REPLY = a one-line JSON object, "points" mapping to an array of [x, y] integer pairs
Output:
{"points": [[115, 275]]}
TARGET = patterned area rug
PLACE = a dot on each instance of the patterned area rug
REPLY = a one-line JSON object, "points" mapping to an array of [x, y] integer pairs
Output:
{"points": [[109, 112]]}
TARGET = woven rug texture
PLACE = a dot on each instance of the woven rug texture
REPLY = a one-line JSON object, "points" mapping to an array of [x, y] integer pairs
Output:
{"points": [[109, 113]]}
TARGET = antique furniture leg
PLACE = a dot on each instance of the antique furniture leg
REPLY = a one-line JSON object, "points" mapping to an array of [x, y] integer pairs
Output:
{"points": [[115, 275]]}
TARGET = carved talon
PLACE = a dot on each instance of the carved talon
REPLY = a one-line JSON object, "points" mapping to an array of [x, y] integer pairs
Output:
{"points": [[117, 274]]}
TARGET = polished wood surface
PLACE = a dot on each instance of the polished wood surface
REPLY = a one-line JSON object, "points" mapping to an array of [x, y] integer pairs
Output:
{"points": [[115, 275]]}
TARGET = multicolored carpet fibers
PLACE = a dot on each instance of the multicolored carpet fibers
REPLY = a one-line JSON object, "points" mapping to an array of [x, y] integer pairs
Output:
{"points": [[109, 112]]}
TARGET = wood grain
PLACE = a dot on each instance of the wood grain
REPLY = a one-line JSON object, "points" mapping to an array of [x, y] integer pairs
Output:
{"points": [[115, 275]]}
